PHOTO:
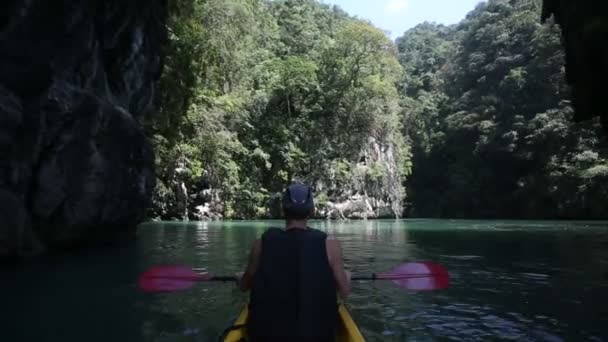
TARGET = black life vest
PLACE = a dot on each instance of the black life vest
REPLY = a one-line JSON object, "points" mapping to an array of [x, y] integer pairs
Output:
{"points": [[293, 297]]}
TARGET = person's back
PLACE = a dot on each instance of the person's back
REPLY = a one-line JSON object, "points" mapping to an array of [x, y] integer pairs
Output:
{"points": [[294, 274], [294, 292]]}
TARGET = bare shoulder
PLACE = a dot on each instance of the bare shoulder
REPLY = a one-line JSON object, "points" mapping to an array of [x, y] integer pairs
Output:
{"points": [[256, 247], [332, 240], [333, 247]]}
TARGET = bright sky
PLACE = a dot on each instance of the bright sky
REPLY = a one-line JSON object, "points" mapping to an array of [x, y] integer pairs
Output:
{"points": [[397, 16]]}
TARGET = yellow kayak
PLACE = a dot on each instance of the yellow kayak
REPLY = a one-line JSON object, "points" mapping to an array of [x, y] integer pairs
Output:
{"points": [[347, 329]]}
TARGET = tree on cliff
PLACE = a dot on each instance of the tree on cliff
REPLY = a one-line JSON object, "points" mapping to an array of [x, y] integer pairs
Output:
{"points": [[490, 118], [259, 93]]}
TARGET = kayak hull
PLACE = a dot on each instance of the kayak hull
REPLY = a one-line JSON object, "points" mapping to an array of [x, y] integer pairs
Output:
{"points": [[347, 330]]}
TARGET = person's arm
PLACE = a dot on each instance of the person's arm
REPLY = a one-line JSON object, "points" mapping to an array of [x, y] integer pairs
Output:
{"points": [[246, 280], [334, 254]]}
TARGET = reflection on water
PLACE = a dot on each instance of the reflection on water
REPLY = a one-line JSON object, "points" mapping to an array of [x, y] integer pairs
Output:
{"points": [[511, 280]]}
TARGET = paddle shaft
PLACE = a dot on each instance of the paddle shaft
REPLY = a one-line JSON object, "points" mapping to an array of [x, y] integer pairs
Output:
{"points": [[194, 278], [411, 275], [224, 278], [391, 277], [374, 276]]}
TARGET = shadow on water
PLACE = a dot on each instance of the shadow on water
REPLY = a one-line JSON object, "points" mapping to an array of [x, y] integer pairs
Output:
{"points": [[511, 280], [78, 295]]}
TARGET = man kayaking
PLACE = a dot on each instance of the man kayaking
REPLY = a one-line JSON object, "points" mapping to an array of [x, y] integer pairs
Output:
{"points": [[293, 274]]}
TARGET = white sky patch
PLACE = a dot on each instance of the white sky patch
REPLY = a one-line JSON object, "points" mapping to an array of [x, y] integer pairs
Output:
{"points": [[396, 6]]}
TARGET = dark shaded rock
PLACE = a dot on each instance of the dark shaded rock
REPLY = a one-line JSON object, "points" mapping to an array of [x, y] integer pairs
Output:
{"points": [[584, 26], [76, 78]]}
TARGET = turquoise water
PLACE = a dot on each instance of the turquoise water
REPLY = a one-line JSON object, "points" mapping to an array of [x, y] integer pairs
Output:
{"points": [[511, 280]]}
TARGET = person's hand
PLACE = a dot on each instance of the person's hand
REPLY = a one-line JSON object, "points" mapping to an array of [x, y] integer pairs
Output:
{"points": [[349, 275], [239, 278]]}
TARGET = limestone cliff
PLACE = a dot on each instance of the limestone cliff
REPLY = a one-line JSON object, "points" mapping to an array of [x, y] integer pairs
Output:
{"points": [[76, 78]]}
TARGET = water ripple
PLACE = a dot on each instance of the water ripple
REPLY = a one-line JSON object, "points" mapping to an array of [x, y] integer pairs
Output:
{"points": [[510, 281]]}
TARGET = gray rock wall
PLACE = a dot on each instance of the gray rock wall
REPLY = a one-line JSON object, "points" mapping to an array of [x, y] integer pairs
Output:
{"points": [[76, 78]]}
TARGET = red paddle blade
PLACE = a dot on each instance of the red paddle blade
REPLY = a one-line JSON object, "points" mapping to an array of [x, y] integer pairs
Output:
{"points": [[170, 278], [419, 276]]}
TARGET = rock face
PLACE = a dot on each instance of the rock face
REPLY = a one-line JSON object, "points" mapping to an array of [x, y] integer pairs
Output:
{"points": [[585, 35], [76, 78]]}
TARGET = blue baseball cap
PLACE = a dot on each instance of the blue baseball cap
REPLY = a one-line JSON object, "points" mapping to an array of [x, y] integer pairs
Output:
{"points": [[298, 200]]}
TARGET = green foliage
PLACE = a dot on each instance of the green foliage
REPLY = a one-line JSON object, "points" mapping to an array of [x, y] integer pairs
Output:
{"points": [[490, 125], [474, 118], [596, 172], [259, 93]]}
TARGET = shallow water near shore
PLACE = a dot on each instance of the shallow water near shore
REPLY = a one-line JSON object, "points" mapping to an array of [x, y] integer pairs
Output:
{"points": [[511, 280]]}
